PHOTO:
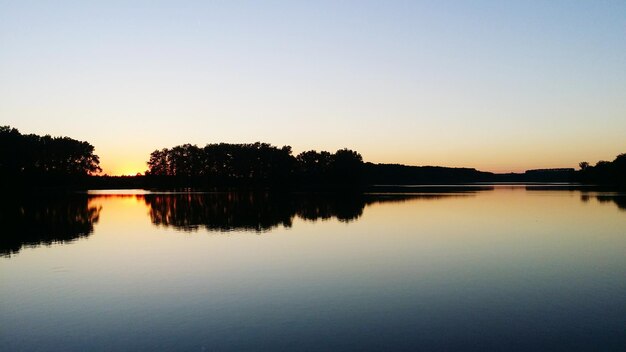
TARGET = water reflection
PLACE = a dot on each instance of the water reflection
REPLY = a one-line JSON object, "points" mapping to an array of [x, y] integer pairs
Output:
{"points": [[618, 200], [218, 211], [33, 221], [504, 269], [586, 193], [259, 211], [45, 220]]}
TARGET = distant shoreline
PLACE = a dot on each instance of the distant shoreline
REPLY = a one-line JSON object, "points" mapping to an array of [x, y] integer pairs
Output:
{"points": [[369, 189], [28, 161]]}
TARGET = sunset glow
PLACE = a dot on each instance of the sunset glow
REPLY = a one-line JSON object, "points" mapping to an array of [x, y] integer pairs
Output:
{"points": [[390, 175], [499, 86]]}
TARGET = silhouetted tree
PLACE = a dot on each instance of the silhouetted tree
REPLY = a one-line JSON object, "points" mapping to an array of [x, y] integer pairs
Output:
{"points": [[224, 164], [605, 172], [46, 159], [314, 167], [619, 167], [158, 163], [346, 167]]}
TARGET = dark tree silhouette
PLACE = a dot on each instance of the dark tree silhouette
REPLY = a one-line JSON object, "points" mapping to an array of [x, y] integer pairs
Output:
{"points": [[229, 161], [44, 159], [396, 174], [158, 163], [261, 164], [605, 172], [256, 164], [314, 166], [346, 167]]}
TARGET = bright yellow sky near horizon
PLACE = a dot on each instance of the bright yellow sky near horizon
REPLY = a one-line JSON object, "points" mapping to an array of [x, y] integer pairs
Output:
{"points": [[497, 86]]}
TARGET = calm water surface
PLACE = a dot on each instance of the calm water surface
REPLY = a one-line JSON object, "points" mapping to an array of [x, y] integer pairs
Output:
{"points": [[485, 268]]}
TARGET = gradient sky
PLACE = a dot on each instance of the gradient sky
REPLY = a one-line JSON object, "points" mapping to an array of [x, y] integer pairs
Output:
{"points": [[496, 85]]}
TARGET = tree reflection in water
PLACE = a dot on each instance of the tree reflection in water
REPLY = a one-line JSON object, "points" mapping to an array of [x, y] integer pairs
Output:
{"points": [[258, 212], [618, 199], [33, 221], [40, 220]]}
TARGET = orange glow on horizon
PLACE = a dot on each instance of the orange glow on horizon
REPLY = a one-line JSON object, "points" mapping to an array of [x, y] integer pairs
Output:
{"points": [[123, 169], [132, 161]]}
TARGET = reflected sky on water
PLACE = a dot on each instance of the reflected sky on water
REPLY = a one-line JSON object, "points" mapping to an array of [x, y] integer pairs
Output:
{"points": [[501, 268]]}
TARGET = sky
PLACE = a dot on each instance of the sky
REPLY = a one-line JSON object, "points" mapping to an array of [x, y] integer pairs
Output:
{"points": [[495, 85]]}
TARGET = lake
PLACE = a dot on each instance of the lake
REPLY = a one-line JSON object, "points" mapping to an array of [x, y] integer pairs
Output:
{"points": [[484, 268]]}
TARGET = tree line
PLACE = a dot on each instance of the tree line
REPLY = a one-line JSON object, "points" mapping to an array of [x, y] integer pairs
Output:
{"points": [[33, 159], [604, 172], [252, 164]]}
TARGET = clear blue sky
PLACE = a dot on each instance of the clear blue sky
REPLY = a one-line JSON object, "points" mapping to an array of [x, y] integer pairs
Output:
{"points": [[497, 85]]}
